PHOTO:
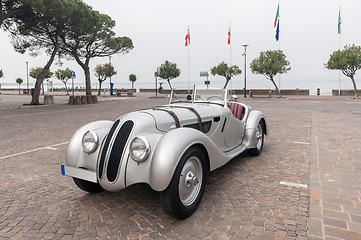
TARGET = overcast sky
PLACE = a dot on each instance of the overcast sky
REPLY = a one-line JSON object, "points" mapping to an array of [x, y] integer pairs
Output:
{"points": [[308, 35]]}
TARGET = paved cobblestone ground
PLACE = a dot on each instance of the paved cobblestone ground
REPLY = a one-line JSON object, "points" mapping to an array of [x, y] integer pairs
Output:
{"points": [[243, 200]]}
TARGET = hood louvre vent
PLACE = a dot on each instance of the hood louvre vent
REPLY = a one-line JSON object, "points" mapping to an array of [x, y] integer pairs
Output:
{"points": [[105, 148], [117, 150]]}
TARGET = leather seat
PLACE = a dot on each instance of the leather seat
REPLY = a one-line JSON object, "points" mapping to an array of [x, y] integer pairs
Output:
{"points": [[237, 109]]}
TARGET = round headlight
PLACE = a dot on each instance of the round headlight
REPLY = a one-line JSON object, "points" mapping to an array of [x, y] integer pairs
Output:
{"points": [[139, 149], [90, 141]]}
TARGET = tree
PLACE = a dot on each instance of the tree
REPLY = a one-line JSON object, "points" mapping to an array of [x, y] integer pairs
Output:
{"points": [[37, 72], [9, 9], [102, 72], [222, 69], [348, 60], [89, 35], [40, 29], [1, 73], [19, 81], [168, 71], [132, 78], [269, 64], [63, 76]]}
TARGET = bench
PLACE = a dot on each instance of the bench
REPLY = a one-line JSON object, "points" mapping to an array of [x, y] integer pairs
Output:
{"points": [[267, 92], [124, 92]]}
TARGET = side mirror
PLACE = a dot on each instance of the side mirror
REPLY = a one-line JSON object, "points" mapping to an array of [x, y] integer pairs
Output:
{"points": [[189, 97]]}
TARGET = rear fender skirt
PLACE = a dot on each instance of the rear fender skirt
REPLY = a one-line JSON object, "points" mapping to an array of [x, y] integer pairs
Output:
{"points": [[170, 149], [250, 134]]}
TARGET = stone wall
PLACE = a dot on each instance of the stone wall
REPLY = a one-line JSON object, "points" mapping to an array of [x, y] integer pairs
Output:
{"points": [[345, 92]]}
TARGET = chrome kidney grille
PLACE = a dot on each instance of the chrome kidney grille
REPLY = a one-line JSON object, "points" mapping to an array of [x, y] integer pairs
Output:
{"points": [[116, 150]]}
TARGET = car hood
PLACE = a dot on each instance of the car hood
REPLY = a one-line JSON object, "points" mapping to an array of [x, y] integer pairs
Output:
{"points": [[167, 117]]}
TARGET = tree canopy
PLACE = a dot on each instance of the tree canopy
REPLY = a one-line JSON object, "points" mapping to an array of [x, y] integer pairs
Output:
{"points": [[9, 9], [269, 64], [1, 73], [132, 78], [63, 76], [348, 60], [102, 72], [90, 35], [168, 71], [226, 71]]}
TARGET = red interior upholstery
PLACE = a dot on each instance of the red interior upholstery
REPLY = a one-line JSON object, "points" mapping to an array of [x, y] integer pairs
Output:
{"points": [[237, 109]]}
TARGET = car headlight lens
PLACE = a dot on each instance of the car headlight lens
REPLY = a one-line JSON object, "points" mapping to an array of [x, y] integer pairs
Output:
{"points": [[139, 149], [90, 141]]}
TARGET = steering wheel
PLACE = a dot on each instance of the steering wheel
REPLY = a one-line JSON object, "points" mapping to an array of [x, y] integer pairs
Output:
{"points": [[214, 97]]}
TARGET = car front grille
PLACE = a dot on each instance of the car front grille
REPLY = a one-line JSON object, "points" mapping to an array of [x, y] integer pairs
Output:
{"points": [[105, 149], [117, 150]]}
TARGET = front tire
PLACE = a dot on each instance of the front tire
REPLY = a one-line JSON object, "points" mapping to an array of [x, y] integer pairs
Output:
{"points": [[184, 193], [88, 186], [259, 140]]}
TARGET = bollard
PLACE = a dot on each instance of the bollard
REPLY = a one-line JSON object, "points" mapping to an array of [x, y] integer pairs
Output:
{"points": [[95, 98], [89, 99], [77, 100], [83, 100], [71, 100], [318, 91]]}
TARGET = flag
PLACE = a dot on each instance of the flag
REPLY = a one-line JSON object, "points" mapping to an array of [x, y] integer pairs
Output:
{"points": [[188, 38], [339, 22], [229, 35], [278, 31], [277, 15], [277, 23]]}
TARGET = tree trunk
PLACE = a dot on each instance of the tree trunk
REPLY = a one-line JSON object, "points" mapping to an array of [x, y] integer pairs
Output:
{"points": [[66, 89], [100, 87], [41, 77], [132, 86], [19, 88], [354, 86], [276, 88], [85, 67]]}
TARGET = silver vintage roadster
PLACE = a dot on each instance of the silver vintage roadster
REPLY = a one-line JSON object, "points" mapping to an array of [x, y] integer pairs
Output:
{"points": [[172, 147]]}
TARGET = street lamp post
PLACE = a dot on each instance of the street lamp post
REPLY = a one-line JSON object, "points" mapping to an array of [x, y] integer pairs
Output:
{"points": [[110, 74], [27, 76], [245, 67]]}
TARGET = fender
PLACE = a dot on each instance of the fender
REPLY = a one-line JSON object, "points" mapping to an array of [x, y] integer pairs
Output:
{"points": [[75, 156], [171, 148], [253, 119]]}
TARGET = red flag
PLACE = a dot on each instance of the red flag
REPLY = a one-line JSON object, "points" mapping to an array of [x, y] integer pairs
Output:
{"points": [[188, 38], [229, 35]]}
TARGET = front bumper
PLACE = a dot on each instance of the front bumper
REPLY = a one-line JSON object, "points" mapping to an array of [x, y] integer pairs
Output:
{"points": [[79, 173]]}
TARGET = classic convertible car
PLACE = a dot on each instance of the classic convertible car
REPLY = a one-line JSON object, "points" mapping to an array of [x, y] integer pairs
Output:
{"points": [[172, 148]]}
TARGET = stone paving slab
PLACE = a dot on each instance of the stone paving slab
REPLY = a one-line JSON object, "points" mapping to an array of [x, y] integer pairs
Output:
{"points": [[243, 200]]}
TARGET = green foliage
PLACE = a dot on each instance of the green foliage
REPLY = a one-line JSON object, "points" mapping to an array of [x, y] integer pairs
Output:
{"points": [[63, 76], [90, 35], [226, 71], [36, 72], [102, 72], [1, 73], [168, 71], [10, 9], [348, 60], [132, 77], [19, 81], [269, 64]]}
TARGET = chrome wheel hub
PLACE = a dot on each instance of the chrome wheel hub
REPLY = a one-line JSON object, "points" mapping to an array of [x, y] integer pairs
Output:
{"points": [[190, 181]]}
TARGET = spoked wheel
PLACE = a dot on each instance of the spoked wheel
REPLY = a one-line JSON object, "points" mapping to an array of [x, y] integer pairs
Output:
{"points": [[259, 141], [185, 191]]}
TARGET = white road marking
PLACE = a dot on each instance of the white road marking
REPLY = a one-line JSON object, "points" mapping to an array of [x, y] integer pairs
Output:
{"points": [[304, 143], [294, 184], [34, 150]]}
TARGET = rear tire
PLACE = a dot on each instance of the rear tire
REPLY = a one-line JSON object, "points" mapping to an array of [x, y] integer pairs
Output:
{"points": [[184, 193], [259, 140], [88, 186]]}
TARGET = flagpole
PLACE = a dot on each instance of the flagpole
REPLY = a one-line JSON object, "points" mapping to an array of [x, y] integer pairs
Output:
{"points": [[230, 50], [339, 48], [189, 66], [279, 47]]}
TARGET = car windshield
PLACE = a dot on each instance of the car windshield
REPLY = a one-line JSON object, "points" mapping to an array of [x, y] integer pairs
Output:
{"points": [[209, 95], [217, 96]]}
